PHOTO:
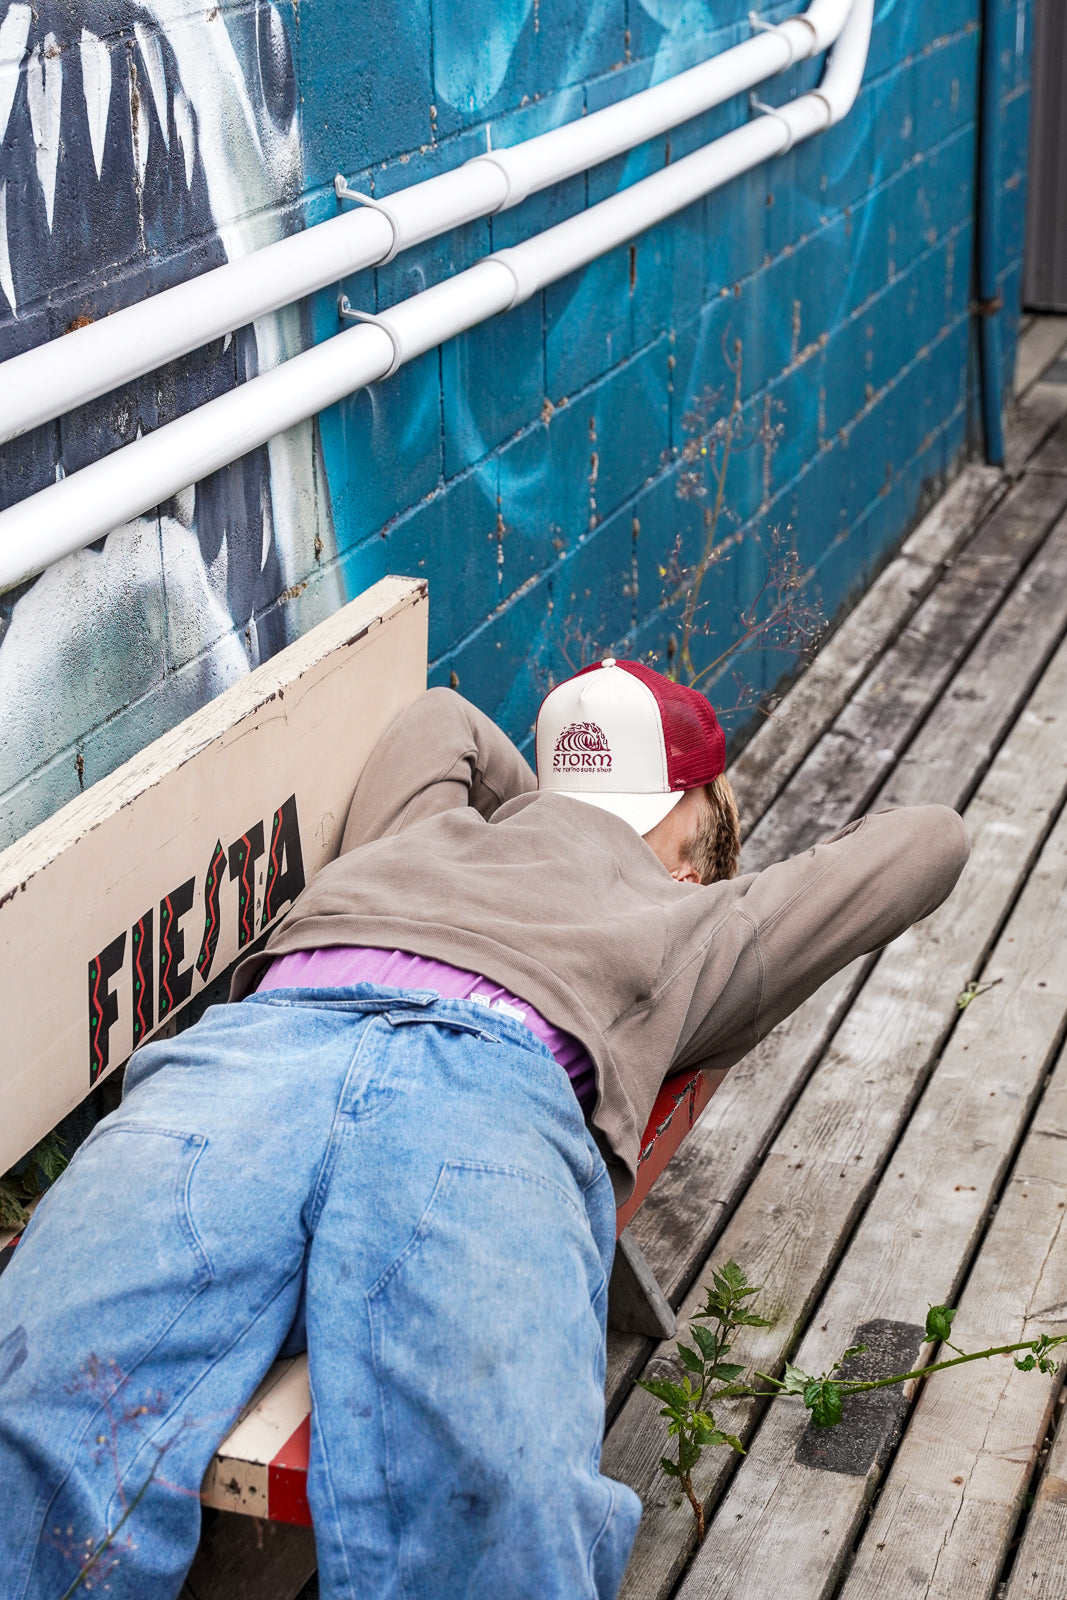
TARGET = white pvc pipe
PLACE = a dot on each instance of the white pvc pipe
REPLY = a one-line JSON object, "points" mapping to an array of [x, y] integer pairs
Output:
{"points": [[80, 508], [66, 372]]}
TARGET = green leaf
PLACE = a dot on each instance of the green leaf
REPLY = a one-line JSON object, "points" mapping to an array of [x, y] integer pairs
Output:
{"points": [[1027, 1363], [823, 1400], [794, 1381], [726, 1371], [706, 1342], [733, 1275], [691, 1360], [49, 1157], [668, 1466], [853, 1350], [939, 1323], [731, 1439], [13, 1213], [671, 1394], [749, 1319]]}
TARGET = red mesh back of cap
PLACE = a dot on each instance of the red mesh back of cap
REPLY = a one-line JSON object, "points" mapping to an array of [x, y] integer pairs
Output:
{"points": [[696, 744]]}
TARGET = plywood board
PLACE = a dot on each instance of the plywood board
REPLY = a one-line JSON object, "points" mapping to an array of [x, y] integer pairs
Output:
{"points": [[119, 909]]}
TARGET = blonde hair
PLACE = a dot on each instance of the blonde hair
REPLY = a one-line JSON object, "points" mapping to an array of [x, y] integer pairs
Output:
{"points": [[715, 849]]}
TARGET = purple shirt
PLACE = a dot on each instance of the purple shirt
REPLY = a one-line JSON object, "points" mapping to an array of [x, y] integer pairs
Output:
{"points": [[340, 966]]}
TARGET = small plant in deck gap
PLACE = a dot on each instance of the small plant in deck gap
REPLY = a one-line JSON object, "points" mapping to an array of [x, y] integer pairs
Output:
{"points": [[687, 1405]]}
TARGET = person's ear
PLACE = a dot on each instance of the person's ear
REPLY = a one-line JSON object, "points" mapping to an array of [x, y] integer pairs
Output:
{"points": [[685, 874]]}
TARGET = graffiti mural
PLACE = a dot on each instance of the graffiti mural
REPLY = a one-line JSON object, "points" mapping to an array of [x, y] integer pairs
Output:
{"points": [[140, 145], [538, 468]]}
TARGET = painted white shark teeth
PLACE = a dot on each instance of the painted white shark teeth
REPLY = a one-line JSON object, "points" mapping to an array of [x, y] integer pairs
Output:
{"points": [[7, 282], [139, 123], [152, 56], [186, 132], [96, 87], [44, 84], [14, 32]]}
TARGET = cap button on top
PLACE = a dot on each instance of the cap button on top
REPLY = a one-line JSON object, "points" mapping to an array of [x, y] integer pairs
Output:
{"points": [[608, 661]]}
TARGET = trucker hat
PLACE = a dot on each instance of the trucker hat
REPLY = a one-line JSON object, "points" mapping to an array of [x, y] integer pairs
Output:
{"points": [[625, 738]]}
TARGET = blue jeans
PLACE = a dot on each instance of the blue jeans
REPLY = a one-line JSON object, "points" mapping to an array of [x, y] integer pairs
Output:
{"points": [[407, 1179]]}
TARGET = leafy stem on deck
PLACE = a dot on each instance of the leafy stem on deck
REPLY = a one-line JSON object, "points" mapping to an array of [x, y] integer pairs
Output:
{"points": [[687, 1405]]}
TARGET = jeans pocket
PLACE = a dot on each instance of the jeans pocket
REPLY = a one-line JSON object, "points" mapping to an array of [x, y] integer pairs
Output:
{"points": [[127, 1197]]}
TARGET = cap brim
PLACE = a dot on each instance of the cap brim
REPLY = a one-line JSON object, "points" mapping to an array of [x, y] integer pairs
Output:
{"points": [[641, 811]]}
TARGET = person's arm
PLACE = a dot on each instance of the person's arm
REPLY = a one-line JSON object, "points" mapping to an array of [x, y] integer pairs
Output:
{"points": [[439, 754], [791, 927]]}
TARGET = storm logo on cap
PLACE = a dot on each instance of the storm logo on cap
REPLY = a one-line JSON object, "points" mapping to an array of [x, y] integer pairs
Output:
{"points": [[582, 747]]}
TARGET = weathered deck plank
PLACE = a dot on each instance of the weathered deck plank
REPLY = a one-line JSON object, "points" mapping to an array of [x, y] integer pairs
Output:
{"points": [[1036, 415], [789, 1227], [802, 1492], [958, 725], [1040, 1569], [952, 1500], [985, 696], [1040, 343]]}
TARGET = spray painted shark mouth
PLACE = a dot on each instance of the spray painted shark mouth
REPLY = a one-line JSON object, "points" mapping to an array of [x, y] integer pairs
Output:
{"points": [[140, 146]]}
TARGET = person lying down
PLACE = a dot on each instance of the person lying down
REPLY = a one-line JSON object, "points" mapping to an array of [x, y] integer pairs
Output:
{"points": [[401, 1146]]}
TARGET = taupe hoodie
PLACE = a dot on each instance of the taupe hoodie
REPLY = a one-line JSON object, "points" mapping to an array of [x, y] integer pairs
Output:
{"points": [[449, 851]]}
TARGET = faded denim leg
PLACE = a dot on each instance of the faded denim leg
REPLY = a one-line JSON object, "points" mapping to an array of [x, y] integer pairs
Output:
{"points": [[428, 1166], [152, 1289], [456, 1303]]}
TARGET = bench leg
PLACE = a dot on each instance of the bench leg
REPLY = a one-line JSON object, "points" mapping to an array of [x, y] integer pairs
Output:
{"points": [[636, 1303]]}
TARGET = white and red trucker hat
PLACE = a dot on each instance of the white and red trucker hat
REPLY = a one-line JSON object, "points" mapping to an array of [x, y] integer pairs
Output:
{"points": [[625, 738]]}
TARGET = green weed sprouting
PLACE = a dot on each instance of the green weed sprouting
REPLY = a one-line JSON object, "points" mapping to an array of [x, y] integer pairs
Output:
{"points": [[709, 1378], [685, 1404], [29, 1179]]}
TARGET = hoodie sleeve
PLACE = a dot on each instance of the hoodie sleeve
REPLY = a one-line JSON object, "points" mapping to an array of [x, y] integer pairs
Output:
{"points": [[792, 926], [439, 754]]}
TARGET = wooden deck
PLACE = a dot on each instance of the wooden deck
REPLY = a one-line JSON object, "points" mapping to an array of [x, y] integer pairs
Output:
{"points": [[884, 1149]]}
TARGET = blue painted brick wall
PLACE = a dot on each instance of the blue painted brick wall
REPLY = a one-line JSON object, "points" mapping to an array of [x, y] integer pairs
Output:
{"points": [[535, 469]]}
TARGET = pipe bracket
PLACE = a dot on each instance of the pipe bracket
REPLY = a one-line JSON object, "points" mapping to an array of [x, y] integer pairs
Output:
{"points": [[773, 111], [757, 24], [816, 42], [348, 313], [343, 192]]}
